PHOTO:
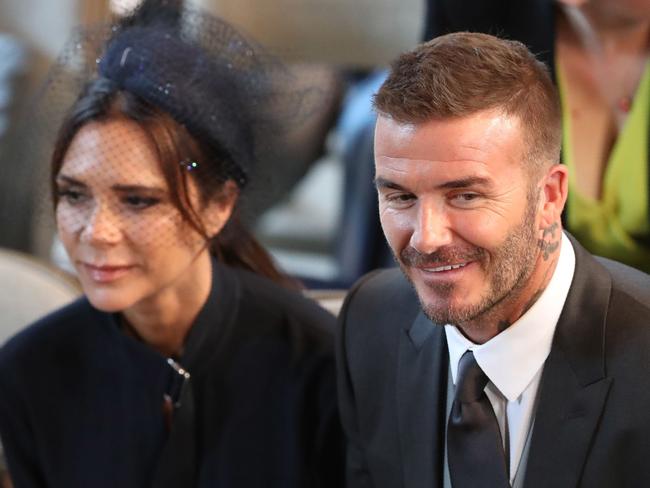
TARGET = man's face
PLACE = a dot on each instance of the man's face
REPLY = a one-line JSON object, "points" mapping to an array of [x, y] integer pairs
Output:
{"points": [[459, 211]]}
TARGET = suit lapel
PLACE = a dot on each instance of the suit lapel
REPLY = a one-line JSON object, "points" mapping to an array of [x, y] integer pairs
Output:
{"points": [[421, 399], [574, 386]]}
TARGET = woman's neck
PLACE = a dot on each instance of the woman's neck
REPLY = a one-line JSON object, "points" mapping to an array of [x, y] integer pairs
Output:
{"points": [[614, 34], [164, 321]]}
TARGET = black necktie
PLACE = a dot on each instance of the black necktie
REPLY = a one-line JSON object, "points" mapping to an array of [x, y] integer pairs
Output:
{"points": [[474, 447]]}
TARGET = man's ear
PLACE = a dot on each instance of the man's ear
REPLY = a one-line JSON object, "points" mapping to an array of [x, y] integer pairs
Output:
{"points": [[217, 211], [555, 186]]}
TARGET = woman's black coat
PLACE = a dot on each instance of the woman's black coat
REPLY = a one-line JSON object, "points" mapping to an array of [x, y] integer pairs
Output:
{"points": [[81, 402]]}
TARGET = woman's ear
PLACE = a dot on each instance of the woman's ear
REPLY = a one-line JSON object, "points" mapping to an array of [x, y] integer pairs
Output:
{"points": [[217, 211], [554, 194]]}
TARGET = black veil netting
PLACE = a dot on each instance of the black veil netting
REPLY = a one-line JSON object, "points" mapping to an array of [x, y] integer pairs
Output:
{"points": [[224, 88]]}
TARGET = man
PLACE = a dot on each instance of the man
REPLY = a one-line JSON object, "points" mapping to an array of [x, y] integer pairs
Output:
{"points": [[503, 354], [598, 51]]}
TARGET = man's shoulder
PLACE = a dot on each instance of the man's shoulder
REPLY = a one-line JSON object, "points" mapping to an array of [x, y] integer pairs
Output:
{"points": [[621, 288], [381, 291], [628, 280], [377, 308]]}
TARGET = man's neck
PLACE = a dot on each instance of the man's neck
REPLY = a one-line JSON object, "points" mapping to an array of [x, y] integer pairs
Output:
{"points": [[505, 313]]}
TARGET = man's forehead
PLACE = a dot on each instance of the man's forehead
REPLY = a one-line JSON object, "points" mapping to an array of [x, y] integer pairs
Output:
{"points": [[479, 137], [488, 120]]}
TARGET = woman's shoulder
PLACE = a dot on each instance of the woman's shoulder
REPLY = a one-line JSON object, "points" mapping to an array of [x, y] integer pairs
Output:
{"points": [[259, 296], [272, 294], [42, 338]]}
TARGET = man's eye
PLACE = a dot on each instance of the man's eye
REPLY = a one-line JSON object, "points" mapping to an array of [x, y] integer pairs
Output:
{"points": [[399, 198], [139, 202], [465, 198]]}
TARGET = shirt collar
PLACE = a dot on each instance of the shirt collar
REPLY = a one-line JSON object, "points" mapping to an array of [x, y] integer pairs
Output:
{"points": [[512, 358]]}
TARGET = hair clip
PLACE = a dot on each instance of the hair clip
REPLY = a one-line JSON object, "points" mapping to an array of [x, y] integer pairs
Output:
{"points": [[125, 54], [189, 165]]}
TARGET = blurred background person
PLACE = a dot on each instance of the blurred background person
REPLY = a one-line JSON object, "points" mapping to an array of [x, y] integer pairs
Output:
{"points": [[598, 52], [189, 361]]}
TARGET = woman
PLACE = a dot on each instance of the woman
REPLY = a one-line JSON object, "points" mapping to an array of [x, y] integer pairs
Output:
{"points": [[188, 362]]}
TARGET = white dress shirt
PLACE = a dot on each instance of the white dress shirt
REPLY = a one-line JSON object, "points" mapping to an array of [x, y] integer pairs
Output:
{"points": [[514, 359]]}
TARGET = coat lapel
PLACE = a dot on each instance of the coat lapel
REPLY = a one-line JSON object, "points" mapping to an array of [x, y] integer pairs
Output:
{"points": [[421, 399], [574, 385]]}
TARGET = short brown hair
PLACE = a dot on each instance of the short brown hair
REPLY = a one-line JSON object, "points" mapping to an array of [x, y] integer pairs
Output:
{"points": [[460, 74]]}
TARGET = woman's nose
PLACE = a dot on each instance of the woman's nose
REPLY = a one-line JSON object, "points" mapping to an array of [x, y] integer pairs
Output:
{"points": [[103, 226]]}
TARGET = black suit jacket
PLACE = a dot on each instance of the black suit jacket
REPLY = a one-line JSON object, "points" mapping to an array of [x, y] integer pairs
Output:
{"points": [[592, 424]]}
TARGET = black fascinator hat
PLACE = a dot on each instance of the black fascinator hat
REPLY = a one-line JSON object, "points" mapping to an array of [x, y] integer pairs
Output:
{"points": [[226, 90], [211, 79]]}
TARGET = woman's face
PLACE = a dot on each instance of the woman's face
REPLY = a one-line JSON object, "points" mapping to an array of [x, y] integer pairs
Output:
{"points": [[126, 239]]}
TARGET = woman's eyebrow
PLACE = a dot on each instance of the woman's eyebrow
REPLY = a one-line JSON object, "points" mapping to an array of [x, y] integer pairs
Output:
{"points": [[138, 188], [61, 178]]}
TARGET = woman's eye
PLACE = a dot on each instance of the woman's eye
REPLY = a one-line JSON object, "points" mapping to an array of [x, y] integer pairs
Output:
{"points": [[71, 196], [139, 202]]}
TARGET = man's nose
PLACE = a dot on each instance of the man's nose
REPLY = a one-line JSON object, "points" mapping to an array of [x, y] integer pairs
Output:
{"points": [[432, 228], [103, 225]]}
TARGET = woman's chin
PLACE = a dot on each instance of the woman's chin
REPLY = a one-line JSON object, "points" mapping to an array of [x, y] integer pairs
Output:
{"points": [[109, 301]]}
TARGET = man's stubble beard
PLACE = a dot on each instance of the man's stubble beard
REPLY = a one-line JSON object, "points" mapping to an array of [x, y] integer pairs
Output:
{"points": [[508, 271]]}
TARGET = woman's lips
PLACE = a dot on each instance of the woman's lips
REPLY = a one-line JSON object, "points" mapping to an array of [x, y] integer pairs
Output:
{"points": [[106, 274]]}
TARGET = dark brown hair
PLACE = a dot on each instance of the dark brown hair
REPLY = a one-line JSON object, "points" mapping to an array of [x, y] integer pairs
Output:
{"points": [[234, 244], [463, 73]]}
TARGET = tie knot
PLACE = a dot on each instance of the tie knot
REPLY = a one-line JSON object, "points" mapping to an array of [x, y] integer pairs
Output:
{"points": [[471, 379]]}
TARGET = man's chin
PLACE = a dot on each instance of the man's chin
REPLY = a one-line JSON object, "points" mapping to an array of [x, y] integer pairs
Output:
{"points": [[453, 316], [443, 302], [446, 308]]}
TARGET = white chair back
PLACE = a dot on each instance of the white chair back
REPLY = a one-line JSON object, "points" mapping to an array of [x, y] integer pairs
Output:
{"points": [[29, 289]]}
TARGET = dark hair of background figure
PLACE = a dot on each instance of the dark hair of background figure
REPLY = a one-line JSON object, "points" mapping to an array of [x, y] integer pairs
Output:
{"points": [[101, 100], [462, 73]]}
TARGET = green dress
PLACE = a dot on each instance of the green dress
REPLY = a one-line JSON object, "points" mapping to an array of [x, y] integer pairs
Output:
{"points": [[614, 225]]}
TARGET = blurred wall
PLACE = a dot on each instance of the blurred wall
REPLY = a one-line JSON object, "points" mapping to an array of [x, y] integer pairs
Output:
{"points": [[357, 33], [43, 24], [42, 27]]}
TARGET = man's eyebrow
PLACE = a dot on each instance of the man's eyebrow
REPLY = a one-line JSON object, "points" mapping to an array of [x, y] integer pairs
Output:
{"points": [[460, 183], [466, 182], [384, 183]]}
